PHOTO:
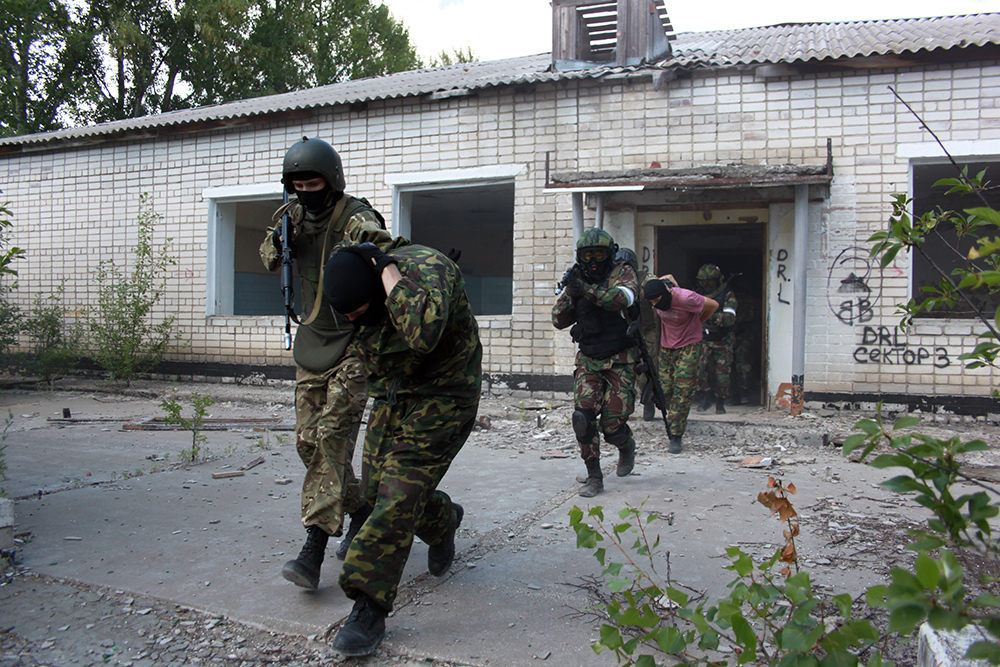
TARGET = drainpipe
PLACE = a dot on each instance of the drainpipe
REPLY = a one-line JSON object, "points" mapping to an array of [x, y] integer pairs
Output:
{"points": [[800, 248], [600, 210], [577, 217]]}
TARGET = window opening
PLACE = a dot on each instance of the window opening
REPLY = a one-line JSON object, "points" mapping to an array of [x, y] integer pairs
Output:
{"points": [[943, 247], [478, 221], [238, 283]]}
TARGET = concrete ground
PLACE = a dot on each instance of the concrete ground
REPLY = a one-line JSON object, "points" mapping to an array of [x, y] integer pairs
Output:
{"points": [[104, 504]]}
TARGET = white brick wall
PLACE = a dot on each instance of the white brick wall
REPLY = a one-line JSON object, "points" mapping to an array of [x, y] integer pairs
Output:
{"points": [[74, 206]]}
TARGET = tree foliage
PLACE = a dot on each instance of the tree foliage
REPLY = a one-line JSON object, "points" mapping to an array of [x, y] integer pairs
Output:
{"points": [[67, 62], [45, 49]]}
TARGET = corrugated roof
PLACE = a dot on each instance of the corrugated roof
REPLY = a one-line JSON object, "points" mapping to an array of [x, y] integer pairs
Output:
{"points": [[787, 43]]}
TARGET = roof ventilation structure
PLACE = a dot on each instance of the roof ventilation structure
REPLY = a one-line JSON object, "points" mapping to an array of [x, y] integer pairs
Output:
{"points": [[589, 33]]}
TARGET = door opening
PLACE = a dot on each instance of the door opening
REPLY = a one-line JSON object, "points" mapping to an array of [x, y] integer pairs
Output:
{"points": [[740, 251]]}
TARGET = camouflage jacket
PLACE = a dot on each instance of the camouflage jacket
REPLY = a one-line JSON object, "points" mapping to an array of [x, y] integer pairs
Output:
{"points": [[429, 344], [616, 294], [320, 344], [719, 327]]}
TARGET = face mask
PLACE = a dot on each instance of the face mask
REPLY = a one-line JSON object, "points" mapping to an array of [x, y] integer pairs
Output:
{"points": [[665, 301], [373, 316], [314, 200]]}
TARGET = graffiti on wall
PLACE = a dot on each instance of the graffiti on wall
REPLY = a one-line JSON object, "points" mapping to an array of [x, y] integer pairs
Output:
{"points": [[647, 259], [782, 276], [853, 286], [884, 345]]}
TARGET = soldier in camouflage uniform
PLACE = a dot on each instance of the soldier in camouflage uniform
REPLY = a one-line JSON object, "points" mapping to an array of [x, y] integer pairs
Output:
{"points": [[746, 349], [330, 393], [717, 352], [681, 314], [600, 299], [419, 343]]}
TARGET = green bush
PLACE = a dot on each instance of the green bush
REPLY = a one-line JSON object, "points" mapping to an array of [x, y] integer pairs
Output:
{"points": [[123, 332], [10, 314], [53, 344], [200, 403], [8, 422], [771, 615]]}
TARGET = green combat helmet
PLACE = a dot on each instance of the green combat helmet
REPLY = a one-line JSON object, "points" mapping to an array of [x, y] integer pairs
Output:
{"points": [[595, 253], [709, 280], [313, 156]]}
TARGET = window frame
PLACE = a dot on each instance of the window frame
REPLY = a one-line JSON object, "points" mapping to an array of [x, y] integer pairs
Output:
{"points": [[405, 185], [220, 246]]}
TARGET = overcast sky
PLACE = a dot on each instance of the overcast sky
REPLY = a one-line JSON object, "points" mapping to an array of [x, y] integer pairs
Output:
{"points": [[511, 28]]}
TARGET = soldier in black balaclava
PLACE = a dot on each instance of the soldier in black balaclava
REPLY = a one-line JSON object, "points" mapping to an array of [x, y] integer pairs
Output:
{"points": [[330, 383], [599, 300]]}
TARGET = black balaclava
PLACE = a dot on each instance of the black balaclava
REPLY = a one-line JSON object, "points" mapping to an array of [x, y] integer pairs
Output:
{"points": [[658, 288], [315, 201], [349, 283], [596, 271]]}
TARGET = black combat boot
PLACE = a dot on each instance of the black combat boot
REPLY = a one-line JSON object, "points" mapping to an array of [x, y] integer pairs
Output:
{"points": [[364, 629], [304, 570], [626, 458], [720, 406], [595, 479], [704, 400], [648, 412], [440, 556], [358, 519], [675, 444]]}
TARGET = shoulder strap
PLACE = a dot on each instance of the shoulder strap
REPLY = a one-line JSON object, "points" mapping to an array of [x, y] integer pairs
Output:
{"points": [[318, 301]]}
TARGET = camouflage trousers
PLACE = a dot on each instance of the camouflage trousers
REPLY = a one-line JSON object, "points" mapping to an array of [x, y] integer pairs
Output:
{"points": [[679, 378], [328, 411], [744, 351], [409, 445], [610, 395], [716, 367]]}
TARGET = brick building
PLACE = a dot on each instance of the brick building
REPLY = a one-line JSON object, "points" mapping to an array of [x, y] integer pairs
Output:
{"points": [[770, 151]]}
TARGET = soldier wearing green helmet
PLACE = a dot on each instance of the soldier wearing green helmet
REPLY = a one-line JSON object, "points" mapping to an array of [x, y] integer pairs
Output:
{"points": [[715, 374], [330, 382], [599, 299]]}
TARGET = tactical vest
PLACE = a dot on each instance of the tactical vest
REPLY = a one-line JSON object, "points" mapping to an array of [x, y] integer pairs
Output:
{"points": [[601, 333]]}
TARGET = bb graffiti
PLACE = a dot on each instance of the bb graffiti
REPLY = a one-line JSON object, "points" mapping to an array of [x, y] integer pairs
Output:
{"points": [[882, 345]]}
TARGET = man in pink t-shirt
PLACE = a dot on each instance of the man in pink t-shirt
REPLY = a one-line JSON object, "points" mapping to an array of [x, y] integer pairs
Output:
{"points": [[681, 312]]}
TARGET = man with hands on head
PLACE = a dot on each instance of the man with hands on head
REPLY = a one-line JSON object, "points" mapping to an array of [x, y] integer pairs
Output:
{"points": [[419, 344], [681, 312]]}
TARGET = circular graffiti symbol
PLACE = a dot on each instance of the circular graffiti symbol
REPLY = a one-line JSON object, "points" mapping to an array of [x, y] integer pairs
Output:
{"points": [[853, 286]]}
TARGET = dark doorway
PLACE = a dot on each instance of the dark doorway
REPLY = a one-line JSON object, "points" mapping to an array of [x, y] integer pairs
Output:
{"points": [[740, 251]]}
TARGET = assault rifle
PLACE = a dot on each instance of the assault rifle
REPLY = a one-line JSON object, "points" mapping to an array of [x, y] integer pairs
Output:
{"points": [[659, 400], [287, 281], [572, 273]]}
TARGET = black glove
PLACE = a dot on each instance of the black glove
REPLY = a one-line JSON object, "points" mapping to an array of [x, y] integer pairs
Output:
{"points": [[276, 239], [371, 253], [574, 286]]}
